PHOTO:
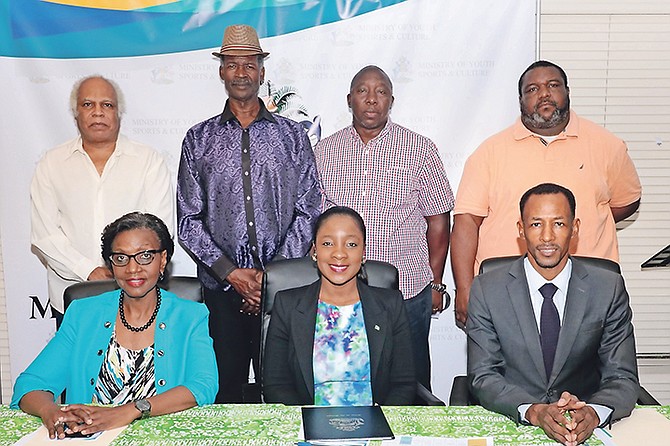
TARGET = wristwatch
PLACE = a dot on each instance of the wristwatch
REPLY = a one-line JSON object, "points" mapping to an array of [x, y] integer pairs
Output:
{"points": [[439, 287], [442, 289], [144, 406]]}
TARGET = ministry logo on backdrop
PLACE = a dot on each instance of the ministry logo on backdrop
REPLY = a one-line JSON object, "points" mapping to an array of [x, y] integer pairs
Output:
{"points": [[68, 29]]}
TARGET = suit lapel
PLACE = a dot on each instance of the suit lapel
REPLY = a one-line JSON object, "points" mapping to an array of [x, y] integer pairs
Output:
{"points": [[303, 333], [375, 326], [520, 300], [575, 308]]}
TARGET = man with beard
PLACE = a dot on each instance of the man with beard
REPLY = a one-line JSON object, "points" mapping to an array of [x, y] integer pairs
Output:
{"points": [[551, 335], [549, 143]]}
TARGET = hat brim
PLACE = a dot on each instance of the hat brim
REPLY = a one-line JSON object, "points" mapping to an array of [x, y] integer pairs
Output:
{"points": [[240, 53]]}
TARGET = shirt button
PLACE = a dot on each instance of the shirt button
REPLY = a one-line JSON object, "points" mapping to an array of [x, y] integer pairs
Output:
{"points": [[161, 325], [246, 173], [251, 223], [160, 353], [161, 382], [253, 248], [365, 172], [248, 198], [108, 324], [99, 352], [245, 151]]}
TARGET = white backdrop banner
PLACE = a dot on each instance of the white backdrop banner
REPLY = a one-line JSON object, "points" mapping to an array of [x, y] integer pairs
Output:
{"points": [[454, 65]]}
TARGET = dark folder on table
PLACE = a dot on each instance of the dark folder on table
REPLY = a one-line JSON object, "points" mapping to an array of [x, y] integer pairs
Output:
{"points": [[325, 423]]}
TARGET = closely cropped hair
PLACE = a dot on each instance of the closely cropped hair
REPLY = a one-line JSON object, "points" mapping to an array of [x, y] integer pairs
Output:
{"points": [[543, 63], [548, 189], [365, 70], [136, 220], [120, 100], [339, 210]]}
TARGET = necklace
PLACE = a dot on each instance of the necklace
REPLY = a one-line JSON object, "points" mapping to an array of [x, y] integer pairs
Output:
{"points": [[151, 319]]}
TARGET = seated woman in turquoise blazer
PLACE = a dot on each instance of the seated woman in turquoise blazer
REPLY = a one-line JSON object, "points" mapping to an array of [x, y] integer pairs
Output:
{"points": [[140, 351], [339, 341]]}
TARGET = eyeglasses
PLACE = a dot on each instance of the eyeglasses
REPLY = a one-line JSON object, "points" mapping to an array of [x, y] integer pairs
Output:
{"points": [[141, 258]]}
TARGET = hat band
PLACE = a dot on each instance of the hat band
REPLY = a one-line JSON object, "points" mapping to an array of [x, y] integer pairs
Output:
{"points": [[241, 48]]}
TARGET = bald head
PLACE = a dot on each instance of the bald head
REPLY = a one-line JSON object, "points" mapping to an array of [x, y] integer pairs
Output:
{"points": [[368, 69]]}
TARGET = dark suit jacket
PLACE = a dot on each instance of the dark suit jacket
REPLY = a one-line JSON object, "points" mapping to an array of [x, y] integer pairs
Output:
{"points": [[288, 376], [595, 356]]}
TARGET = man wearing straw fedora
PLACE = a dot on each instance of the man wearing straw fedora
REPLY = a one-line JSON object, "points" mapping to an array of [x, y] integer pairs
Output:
{"points": [[247, 194]]}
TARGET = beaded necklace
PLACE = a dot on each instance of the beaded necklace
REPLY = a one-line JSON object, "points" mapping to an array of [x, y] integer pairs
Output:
{"points": [[151, 320]]}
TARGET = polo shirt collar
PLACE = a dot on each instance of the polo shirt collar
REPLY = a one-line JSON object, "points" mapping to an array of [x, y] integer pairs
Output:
{"points": [[263, 113], [572, 129]]}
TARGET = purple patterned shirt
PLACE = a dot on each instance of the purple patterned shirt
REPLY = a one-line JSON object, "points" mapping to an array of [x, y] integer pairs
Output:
{"points": [[213, 224]]}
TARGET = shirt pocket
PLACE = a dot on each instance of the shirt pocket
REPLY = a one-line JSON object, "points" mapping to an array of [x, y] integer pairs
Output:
{"points": [[396, 187]]}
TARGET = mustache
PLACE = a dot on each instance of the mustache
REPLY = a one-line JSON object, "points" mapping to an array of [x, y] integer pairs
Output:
{"points": [[540, 104]]}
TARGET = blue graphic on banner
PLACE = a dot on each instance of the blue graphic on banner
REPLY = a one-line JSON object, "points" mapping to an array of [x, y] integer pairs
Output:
{"points": [[69, 29]]}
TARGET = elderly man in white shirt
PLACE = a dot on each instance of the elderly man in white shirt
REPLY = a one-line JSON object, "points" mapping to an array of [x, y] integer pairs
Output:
{"points": [[84, 184]]}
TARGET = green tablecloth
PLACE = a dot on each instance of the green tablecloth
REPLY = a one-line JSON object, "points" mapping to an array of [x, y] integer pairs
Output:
{"points": [[269, 424]]}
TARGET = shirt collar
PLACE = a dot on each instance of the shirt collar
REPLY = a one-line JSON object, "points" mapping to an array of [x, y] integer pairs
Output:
{"points": [[535, 279], [263, 113], [78, 146], [382, 133], [572, 129]]}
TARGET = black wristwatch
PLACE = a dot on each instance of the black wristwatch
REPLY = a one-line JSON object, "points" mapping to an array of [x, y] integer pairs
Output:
{"points": [[144, 406]]}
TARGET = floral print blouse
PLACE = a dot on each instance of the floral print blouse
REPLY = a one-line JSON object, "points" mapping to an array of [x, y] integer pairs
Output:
{"points": [[341, 359]]}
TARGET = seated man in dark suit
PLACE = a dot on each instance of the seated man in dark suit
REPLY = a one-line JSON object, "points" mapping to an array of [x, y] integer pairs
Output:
{"points": [[550, 339]]}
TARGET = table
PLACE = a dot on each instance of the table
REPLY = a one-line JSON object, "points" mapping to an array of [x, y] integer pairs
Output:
{"points": [[277, 425]]}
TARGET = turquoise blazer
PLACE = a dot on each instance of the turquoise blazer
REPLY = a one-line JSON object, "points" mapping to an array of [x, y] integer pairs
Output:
{"points": [[183, 352]]}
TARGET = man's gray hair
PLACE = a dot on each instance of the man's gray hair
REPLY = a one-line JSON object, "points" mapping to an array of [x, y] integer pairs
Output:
{"points": [[120, 100]]}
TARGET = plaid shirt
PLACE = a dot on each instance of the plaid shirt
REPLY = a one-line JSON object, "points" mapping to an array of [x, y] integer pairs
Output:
{"points": [[394, 181]]}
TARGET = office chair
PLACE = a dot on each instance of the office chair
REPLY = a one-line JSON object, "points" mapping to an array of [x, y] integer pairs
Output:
{"points": [[185, 287], [294, 273], [498, 262], [460, 392]]}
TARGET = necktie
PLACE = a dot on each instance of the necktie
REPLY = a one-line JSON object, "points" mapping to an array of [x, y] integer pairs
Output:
{"points": [[550, 325]]}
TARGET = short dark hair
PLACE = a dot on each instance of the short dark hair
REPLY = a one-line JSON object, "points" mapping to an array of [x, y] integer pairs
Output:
{"points": [[339, 210], [539, 64], [136, 220], [548, 189]]}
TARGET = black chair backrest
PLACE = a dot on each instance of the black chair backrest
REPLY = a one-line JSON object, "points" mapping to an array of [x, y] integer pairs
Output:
{"points": [[498, 262], [294, 273], [185, 287]]}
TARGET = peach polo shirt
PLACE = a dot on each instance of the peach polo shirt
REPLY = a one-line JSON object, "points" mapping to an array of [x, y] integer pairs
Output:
{"points": [[587, 159]]}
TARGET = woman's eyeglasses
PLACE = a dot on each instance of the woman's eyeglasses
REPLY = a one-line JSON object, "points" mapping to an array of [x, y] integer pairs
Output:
{"points": [[141, 258]]}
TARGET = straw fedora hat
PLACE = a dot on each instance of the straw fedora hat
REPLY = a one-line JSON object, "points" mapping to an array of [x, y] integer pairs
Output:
{"points": [[240, 40]]}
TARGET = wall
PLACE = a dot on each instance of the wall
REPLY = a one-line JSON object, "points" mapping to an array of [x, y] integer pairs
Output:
{"points": [[617, 56]]}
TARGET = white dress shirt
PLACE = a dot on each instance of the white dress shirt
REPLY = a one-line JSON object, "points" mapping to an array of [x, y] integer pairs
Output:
{"points": [[71, 204], [561, 281]]}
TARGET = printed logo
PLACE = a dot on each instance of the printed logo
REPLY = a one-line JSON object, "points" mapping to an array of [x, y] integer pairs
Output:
{"points": [[347, 424]]}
